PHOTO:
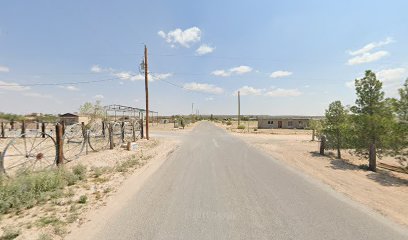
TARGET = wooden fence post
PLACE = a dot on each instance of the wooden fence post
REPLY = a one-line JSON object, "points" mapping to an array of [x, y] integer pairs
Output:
{"points": [[43, 129], [59, 142], [372, 161], [63, 127], [23, 130], [110, 131], [3, 134], [322, 145]]}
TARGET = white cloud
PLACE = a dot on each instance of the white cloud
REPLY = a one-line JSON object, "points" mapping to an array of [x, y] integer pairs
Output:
{"points": [[367, 57], [160, 76], [350, 84], [99, 97], [4, 69], [12, 86], [209, 99], [204, 49], [221, 73], [392, 75], [70, 88], [161, 34], [280, 92], [203, 87], [235, 70], [247, 90], [128, 75], [371, 46], [241, 69], [364, 54], [37, 95], [96, 69], [279, 74], [183, 38]]}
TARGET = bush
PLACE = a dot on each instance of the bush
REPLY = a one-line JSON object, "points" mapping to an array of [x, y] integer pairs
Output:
{"points": [[83, 199], [241, 127], [229, 123], [31, 188], [80, 171], [10, 233], [124, 166], [26, 190]]}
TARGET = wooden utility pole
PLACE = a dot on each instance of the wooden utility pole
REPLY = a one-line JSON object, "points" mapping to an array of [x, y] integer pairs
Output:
{"points": [[147, 91], [239, 108]]}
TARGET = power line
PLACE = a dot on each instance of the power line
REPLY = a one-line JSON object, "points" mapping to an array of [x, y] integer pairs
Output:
{"points": [[61, 84]]}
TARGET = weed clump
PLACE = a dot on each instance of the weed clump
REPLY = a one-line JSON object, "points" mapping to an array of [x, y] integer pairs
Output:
{"points": [[82, 199], [28, 189]]}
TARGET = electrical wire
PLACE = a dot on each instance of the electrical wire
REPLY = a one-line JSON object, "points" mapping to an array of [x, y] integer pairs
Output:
{"points": [[60, 84]]}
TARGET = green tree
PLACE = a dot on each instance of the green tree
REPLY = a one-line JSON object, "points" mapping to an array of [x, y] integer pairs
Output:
{"points": [[316, 126], [93, 111], [402, 103], [335, 126], [400, 135], [373, 120]]}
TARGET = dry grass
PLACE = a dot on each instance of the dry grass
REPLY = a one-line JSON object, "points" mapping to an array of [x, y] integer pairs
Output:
{"points": [[43, 204]]}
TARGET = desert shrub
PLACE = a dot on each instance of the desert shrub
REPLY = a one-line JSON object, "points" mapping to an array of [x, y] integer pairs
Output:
{"points": [[44, 236], [80, 171], [99, 171], [255, 129], [28, 189], [229, 123], [241, 127], [83, 199], [124, 166], [10, 233]]}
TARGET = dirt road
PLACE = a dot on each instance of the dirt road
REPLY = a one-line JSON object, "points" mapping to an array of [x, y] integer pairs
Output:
{"points": [[215, 186]]}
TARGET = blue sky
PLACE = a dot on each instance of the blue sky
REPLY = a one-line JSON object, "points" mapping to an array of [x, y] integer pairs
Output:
{"points": [[286, 57]]}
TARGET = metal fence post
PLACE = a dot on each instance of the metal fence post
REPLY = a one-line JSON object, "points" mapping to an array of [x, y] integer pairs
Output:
{"points": [[59, 143], [110, 131], [3, 134], [43, 130], [141, 128], [123, 131], [23, 130], [103, 128], [134, 131]]}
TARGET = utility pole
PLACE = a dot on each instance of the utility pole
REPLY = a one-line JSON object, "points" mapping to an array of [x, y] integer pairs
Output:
{"points": [[146, 72], [239, 108], [192, 108]]}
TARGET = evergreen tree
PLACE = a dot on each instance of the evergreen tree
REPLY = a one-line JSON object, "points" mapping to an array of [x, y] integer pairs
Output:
{"points": [[373, 120], [335, 126]]}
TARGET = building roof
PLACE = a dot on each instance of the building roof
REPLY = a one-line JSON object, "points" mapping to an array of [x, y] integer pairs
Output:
{"points": [[290, 117], [68, 115]]}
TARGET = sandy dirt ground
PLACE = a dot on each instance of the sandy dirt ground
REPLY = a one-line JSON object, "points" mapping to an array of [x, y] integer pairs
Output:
{"points": [[65, 213], [384, 191]]}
